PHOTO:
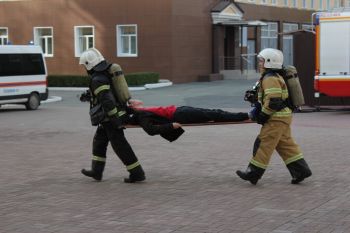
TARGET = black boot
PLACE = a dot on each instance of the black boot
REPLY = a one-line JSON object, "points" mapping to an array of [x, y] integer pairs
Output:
{"points": [[136, 175], [252, 174], [96, 171], [299, 171]]}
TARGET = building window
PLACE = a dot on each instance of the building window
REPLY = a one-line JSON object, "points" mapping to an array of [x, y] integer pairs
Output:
{"points": [[328, 6], [274, 2], [347, 3], [288, 42], [312, 5], [304, 4], [295, 3], [127, 40], [307, 27], [4, 36], [84, 39], [43, 36], [269, 35], [286, 2], [320, 5], [263, 1], [336, 3]]}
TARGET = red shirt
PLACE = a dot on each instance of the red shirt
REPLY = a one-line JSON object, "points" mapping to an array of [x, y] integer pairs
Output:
{"points": [[163, 111]]}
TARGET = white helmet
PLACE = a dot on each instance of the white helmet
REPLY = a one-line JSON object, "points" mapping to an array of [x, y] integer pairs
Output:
{"points": [[273, 58], [90, 58]]}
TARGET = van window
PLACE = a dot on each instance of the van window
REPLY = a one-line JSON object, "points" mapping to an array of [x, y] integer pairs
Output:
{"points": [[21, 64]]}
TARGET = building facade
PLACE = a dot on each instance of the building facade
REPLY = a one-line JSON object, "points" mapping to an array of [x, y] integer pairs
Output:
{"points": [[301, 4], [182, 40]]}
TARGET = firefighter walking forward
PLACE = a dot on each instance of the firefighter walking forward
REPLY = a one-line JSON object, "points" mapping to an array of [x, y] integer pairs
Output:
{"points": [[275, 117], [109, 118]]}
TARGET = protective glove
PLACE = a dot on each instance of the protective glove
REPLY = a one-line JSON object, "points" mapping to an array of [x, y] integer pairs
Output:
{"points": [[85, 96], [253, 114], [262, 118]]}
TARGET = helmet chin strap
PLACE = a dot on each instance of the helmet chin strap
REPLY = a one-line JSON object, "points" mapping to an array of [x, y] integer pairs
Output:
{"points": [[90, 71]]}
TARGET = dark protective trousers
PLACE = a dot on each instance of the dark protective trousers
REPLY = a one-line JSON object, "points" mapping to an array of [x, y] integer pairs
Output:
{"points": [[106, 133], [187, 115]]}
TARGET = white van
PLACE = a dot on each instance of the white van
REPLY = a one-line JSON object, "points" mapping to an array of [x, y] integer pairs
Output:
{"points": [[23, 75]]}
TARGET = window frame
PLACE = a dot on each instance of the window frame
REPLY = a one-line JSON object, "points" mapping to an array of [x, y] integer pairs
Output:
{"points": [[312, 4], [320, 5], [288, 39], [119, 41], [37, 38], [270, 33], [304, 4], [4, 37], [77, 49], [336, 4], [306, 26]]}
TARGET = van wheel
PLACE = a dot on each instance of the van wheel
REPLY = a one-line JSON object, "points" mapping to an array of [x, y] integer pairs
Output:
{"points": [[33, 102]]}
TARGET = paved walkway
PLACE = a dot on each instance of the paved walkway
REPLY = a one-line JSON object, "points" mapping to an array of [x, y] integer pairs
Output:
{"points": [[190, 187]]}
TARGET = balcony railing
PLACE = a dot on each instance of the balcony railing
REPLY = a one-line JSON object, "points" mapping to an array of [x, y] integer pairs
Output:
{"points": [[242, 62]]}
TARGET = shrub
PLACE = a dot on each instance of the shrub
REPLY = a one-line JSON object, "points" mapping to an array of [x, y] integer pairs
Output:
{"points": [[133, 79], [68, 81], [140, 79]]}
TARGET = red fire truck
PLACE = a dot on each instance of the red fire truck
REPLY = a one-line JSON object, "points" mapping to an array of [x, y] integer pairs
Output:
{"points": [[332, 74]]}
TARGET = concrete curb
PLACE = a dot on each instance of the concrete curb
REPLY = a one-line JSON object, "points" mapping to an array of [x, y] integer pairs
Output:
{"points": [[162, 83], [158, 85], [52, 99]]}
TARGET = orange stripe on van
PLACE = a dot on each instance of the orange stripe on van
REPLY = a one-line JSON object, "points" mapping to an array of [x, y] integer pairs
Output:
{"points": [[17, 84], [317, 54], [335, 18]]}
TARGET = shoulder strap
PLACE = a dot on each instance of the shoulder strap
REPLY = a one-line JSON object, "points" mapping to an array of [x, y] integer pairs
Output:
{"points": [[268, 73]]}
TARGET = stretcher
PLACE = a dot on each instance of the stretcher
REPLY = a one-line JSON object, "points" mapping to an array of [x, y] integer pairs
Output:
{"points": [[206, 123]]}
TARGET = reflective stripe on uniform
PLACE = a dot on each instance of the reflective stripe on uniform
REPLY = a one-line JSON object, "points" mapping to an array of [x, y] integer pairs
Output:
{"points": [[101, 88], [273, 91], [284, 94], [112, 112], [121, 113], [97, 158], [265, 110], [286, 112], [294, 158], [258, 164], [115, 111], [132, 166]]}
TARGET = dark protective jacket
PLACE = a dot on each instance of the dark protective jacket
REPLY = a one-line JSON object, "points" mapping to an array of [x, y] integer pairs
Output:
{"points": [[100, 88], [154, 124]]}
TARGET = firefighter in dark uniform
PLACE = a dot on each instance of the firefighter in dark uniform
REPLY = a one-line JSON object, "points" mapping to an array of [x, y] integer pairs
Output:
{"points": [[110, 129], [275, 117]]}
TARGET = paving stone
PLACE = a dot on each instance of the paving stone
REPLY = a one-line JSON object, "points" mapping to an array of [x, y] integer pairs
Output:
{"points": [[190, 187]]}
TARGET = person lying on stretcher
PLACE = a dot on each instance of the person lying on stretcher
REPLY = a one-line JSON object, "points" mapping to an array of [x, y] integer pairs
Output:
{"points": [[166, 120]]}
